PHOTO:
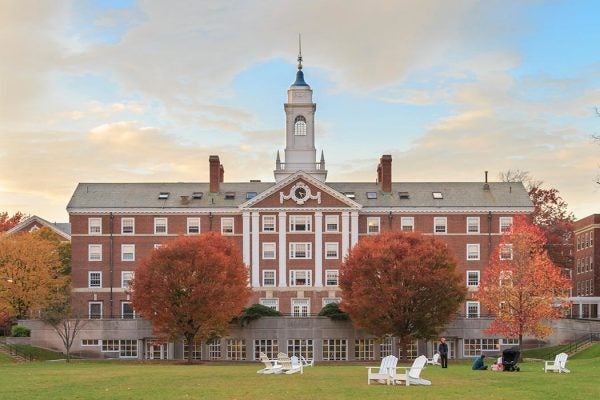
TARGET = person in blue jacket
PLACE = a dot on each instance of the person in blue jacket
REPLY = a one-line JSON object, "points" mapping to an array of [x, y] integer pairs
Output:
{"points": [[479, 364]]}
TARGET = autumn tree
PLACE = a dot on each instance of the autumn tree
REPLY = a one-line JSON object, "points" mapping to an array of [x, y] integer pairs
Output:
{"points": [[522, 286], [401, 284], [7, 222], [29, 273], [192, 288]]}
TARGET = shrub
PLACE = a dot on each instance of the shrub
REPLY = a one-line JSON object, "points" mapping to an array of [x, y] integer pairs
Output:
{"points": [[255, 311], [20, 331], [333, 311]]}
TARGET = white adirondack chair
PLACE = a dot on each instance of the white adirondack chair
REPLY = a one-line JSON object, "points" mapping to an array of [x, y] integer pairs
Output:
{"points": [[310, 362], [289, 365], [384, 371], [412, 374], [271, 367], [558, 365], [435, 360]]}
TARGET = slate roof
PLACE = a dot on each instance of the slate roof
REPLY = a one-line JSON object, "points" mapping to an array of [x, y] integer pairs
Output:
{"points": [[63, 228]]}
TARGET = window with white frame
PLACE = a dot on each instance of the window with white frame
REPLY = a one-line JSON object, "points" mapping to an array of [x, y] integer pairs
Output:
{"points": [[474, 347], [193, 226], [440, 225], [94, 279], [364, 349], [268, 251], [126, 278], [300, 307], [270, 347], [331, 250], [505, 278], [268, 277], [271, 303], [157, 246], [300, 223], [127, 226], [473, 251], [332, 223], [268, 223], [329, 300], [472, 224], [332, 277], [160, 226], [407, 224], [195, 348], [127, 310], [128, 252], [236, 349], [411, 349], [300, 250], [505, 224], [386, 346], [300, 126], [509, 341], [300, 347], [94, 226], [110, 345], [506, 251], [128, 348], [214, 349], [473, 279], [335, 350], [94, 252], [95, 309], [300, 277], [226, 226], [373, 225], [90, 342], [472, 308]]}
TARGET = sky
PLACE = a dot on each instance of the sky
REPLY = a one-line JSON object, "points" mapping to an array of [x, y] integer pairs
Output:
{"points": [[145, 91]]}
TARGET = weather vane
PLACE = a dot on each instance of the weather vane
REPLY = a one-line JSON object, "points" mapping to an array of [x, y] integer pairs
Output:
{"points": [[299, 51]]}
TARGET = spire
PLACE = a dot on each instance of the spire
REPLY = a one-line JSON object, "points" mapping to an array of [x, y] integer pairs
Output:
{"points": [[278, 161], [299, 52], [322, 160], [299, 75]]}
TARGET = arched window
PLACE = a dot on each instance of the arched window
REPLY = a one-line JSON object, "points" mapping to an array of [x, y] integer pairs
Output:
{"points": [[300, 126]]}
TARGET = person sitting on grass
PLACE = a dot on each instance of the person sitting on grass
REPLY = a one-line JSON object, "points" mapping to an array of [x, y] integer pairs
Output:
{"points": [[479, 364]]}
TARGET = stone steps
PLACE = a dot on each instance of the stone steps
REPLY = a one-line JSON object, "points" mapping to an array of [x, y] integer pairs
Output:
{"points": [[16, 358]]}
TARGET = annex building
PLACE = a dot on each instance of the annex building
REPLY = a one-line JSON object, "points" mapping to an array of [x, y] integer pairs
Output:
{"points": [[293, 232]]}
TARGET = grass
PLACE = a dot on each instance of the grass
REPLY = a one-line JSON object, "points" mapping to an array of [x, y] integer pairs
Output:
{"points": [[156, 380], [37, 353], [4, 359]]}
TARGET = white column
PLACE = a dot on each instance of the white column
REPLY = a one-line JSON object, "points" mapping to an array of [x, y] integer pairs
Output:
{"points": [[319, 249], [283, 250], [246, 237], [345, 232], [255, 250], [354, 228]]}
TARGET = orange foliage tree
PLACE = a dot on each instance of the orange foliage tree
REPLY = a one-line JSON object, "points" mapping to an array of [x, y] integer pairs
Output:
{"points": [[402, 284], [521, 286], [30, 274], [191, 288], [7, 222]]}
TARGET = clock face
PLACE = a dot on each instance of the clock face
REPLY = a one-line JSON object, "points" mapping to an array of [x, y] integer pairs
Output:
{"points": [[300, 193]]}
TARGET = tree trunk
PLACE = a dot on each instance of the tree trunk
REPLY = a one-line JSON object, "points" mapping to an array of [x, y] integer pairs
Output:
{"points": [[189, 339]]}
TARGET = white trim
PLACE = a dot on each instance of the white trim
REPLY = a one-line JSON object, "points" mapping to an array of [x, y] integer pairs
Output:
{"points": [[187, 228], [123, 278], [337, 250], [90, 226], [255, 222], [223, 219], [132, 226], [478, 278], [262, 281], [368, 232], [477, 245], [89, 285], [478, 225], [89, 252], [337, 271], [166, 232], [445, 219], [467, 304], [123, 252], [90, 309], [308, 277], [265, 244]]}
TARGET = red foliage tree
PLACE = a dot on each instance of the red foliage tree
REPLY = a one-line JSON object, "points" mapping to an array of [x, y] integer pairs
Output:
{"points": [[522, 286], [7, 222], [401, 284], [191, 288]]}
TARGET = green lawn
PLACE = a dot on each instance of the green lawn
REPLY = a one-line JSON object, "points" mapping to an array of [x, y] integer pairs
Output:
{"points": [[137, 380]]}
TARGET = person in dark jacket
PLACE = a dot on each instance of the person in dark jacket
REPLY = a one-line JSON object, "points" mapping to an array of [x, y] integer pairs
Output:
{"points": [[443, 350], [479, 364]]}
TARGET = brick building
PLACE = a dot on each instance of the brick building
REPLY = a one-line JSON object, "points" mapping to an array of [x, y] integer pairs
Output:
{"points": [[586, 278], [293, 232]]}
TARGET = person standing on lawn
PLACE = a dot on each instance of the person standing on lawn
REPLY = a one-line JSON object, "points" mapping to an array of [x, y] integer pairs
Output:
{"points": [[443, 350]]}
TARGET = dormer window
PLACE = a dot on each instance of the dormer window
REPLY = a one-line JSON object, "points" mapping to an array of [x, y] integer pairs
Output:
{"points": [[229, 195], [437, 195], [350, 195], [163, 195], [197, 195], [371, 195], [300, 126], [250, 195]]}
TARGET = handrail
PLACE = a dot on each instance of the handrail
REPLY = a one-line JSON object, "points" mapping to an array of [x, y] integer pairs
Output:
{"points": [[14, 350], [574, 346]]}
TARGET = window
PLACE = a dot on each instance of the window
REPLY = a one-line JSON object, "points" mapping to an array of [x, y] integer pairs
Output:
{"points": [[332, 223], [300, 223], [268, 276], [300, 126], [226, 226], [268, 251], [195, 348], [300, 307], [373, 225], [472, 224], [229, 195], [300, 347], [236, 349], [407, 224], [250, 195], [271, 303], [371, 195], [268, 223], [332, 277], [94, 252], [411, 349], [157, 246], [163, 195], [300, 277], [193, 226], [440, 225], [472, 347], [94, 226], [331, 250], [364, 349], [350, 195], [329, 300], [509, 341], [472, 309], [160, 226], [437, 195], [300, 250], [127, 226], [404, 195], [95, 309], [127, 310], [473, 251], [126, 278], [90, 342], [110, 345], [128, 252], [506, 252], [505, 224], [386, 346], [472, 278], [269, 347], [335, 350], [94, 279], [197, 195], [505, 278], [214, 349]]}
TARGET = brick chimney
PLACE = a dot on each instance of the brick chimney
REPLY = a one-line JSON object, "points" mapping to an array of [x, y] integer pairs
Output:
{"points": [[384, 173], [215, 173]]}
